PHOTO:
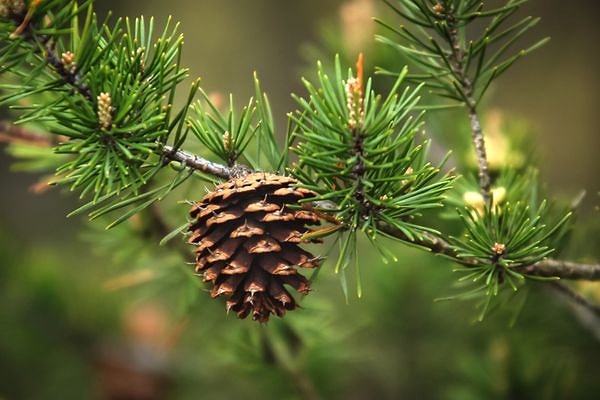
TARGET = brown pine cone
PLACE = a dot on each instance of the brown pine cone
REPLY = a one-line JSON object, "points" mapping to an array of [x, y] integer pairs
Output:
{"points": [[247, 240]]}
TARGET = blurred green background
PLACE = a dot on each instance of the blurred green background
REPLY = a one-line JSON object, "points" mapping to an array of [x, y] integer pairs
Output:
{"points": [[72, 323]]}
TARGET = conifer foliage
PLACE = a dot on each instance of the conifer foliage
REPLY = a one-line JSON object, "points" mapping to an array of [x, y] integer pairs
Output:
{"points": [[105, 92]]}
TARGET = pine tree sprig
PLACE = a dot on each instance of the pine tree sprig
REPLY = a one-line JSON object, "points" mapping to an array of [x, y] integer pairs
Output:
{"points": [[239, 138], [227, 135], [455, 66], [546, 268], [108, 91], [361, 152]]}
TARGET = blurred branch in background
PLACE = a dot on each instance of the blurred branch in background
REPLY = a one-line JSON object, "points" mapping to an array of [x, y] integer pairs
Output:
{"points": [[11, 133], [587, 313]]}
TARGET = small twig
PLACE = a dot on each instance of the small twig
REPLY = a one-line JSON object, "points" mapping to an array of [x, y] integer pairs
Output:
{"points": [[428, 241], [72, 78], [198, 163], [576, 298], [457, 63], [563, 269], [479, 144], [545, 268], [26, 19]]}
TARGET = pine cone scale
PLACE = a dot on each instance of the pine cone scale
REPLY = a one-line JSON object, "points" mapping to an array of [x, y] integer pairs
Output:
{"points": [[262, 244], [241, 262], [297, 281], [275, 265]]}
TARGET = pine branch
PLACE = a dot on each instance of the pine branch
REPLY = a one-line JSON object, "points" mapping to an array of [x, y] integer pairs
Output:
{"points": [[456, 65], [433, 243], [113, 91], [427, 241], [546, 268], [75, 81], [47, 43], [437, 245]]}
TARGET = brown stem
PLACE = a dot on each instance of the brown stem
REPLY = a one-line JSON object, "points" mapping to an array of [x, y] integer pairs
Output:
{"points": [[72, 78], [457, 64], [563, 269], [428, 241], [544, 268]]}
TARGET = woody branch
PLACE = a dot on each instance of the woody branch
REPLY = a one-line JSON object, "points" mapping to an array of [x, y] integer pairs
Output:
{"points": [[435, 244]]}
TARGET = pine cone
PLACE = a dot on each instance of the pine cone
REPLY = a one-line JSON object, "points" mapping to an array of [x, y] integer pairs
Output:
{"points": [[247, 243]]}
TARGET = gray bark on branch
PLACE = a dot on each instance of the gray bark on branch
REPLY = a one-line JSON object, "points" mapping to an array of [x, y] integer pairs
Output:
{"points": [[466, 88], [563, 269], [196, 162], [547, 268]]}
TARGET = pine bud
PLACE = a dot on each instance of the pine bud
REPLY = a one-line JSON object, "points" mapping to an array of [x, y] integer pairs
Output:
{"points": [[355, 96], [104, 110], [227, 142], [353, 102], [438, 9], [475, 199], [499, 248], [68, 60], [408, 171]]}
